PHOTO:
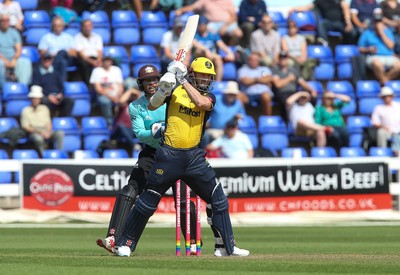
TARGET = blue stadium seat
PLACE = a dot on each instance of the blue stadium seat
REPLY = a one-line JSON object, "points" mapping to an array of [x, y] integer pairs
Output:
{"points": [[80, 93], [94, 131], [344, 70], [366, 105], [367, 88], [33, 35], [305, 21], [120, 36], [289, 152], [350, 152], [115, 154], [124, 18], [31, 53], [254, 140], [28, 4], [184, 17], [144, 54], [36, 19], [5, 177], [322, 53], [55, 154], [105, 34], [395, 85], [6, 123], [85, 154], [99, 18], [153, 35], [271, 124], [219, 87], [117, 52], [324, 72], [355, 125], [151, 19], [14, 107], [274, 142], [72, 30], [278, 18], [14, 90], [323, 152], [72, 133], [23, 154], [344, 53], [248, 125], [341, 87], [380, 152], [316, 85], [282, 31], [230, 71]]}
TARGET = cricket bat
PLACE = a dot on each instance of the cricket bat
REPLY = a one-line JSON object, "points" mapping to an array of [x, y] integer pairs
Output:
{"points": [[185, 42]]}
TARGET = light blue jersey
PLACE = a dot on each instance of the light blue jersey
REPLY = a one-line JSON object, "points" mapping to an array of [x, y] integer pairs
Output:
{"points": [[142, 119]]}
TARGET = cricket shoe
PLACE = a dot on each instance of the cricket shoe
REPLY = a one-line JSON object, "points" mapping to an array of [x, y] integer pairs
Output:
{"points": [[221, 252], [193, 249], [107, 243], [123, 251]]}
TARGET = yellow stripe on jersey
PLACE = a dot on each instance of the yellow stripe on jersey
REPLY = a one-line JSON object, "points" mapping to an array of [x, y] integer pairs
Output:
{"points": [[184, 121]]}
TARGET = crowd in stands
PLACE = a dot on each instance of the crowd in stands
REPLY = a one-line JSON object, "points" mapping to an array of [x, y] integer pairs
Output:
{"points": [[321, 75]]}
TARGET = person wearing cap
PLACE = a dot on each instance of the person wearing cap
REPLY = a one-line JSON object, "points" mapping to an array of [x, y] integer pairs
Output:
{"points": [[256, 81], [328, 114], [233, 144], [148, 126], [13, 67], [89, 47], [107, 82], [301, 117], [378, 43], [46, 76], [36, 122], [286, 81], [170, 44], [207, 44], [228, 106], [386, 119]]}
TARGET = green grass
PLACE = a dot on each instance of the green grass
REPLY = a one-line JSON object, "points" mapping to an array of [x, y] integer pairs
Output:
{"points": [[274, 250]]}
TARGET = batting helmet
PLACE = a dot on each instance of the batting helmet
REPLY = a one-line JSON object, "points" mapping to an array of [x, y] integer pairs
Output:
{"points": [[205, 66], [146, 72], [202, 65]]}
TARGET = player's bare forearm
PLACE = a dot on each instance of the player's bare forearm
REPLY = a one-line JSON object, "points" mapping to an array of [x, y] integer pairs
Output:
{"points": [[200, 101]]}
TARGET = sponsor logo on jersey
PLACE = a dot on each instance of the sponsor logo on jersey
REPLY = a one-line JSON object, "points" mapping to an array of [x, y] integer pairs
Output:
{"points": [[188, 111], [159, 171]]}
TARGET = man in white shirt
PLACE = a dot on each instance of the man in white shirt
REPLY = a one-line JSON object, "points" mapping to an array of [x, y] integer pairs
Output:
{"points": [[89, 47], [107, 82], [233, 144], [386, 118]]}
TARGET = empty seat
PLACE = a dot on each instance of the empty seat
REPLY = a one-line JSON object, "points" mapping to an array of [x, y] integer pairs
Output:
{"points": [[120, 37], [274, 142], [33, 35], [99, 18], [7, 123], [291, 152], [115, 154], [366, 105], [271, 124], [36, 19], [323, 152], [143, 54], [278, 18], [94, 131], [248, 125], [55, 154], [352, 152], [85, 154], [72, 134], [341, 87], [345, 53], [124, 18], [380, 152], [79, 91], [367, 88], [5, 177], [153, 25], [305, 21], [24, 154], [28, 4], [31, 53], [14, 90]]}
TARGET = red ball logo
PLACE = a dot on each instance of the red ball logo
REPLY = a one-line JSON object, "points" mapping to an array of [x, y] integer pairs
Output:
{"points": [[52, 187]]}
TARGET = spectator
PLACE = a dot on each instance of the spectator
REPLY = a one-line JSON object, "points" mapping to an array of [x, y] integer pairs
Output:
{"points": [[228, 107], [391, 12], [13, 67], [335, 16], [220, 13], [328, 113], [170, 45], [122, 128], [65, 3], [36, 122], [108, 84], [361, 12], [266, 42], [206, 44], [386, 118], [301, 117], [233, 144], [89, 47], [60, 45], [250, 13], [286, 81], [165, 5], [397, 40], [378, 45], [256, 82], [45, 76], [296, 46], [14, 10]]}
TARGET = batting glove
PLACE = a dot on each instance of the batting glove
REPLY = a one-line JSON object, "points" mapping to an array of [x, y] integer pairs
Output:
{"points": [[157, 129], [177, 68], [167, 84]]}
